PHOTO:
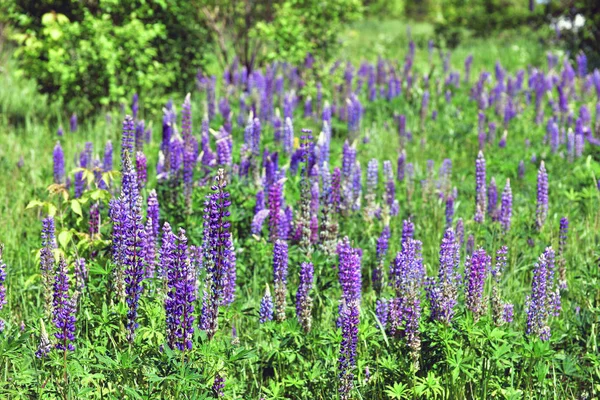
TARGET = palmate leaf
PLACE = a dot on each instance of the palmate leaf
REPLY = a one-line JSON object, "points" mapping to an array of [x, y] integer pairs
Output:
{"points": [[398, 391]]}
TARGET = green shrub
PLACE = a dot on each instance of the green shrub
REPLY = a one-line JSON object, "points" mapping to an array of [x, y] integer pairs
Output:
{"points": [[98, 55]]}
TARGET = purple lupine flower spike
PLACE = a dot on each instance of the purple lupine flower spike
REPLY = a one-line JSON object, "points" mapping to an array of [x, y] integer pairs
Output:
{"points": [[562, 245], [303, 300], [492, 195], [265, 312], [47, 262], [544, 300], [60, 132], [3, 284], [280, 271], [59, 164], [181, 294], [127, 138], [73, 122], [153, 212], [506, 207], [217, 252], [542, 196], [63, 309], [476, 267], [141, 169], [480, 188], [381, 252], [218, 386], [443, 293]]}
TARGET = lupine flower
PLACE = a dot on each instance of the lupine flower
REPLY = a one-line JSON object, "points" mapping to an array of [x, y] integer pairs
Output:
{"points": [[81, 276], [406, 277], [94, 221], [544, 300], [45, 346], [181, 294], [149, 248], [73, 122], [3, 284], [280, 271], [443, 293], [304, 215], [330, 200], [47, 262], [127, 138], [350, 280], [153, 212], [63, 309], [562, 245], [476, 267], [303, 300], [460, 232], [449, 212], [506, 207], [521, 170], [266, 307], [60, 132], [480, 188], [217, 251], [408, 231], [501, 312], [381, 311], [190, 146], [218, 385], [59, 164], [492, 196], [141, 169], [542, 196], [275, 201], [380, 255]]}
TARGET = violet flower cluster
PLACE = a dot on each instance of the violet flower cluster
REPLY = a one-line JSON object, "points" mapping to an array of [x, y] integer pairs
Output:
{"points": [[63, 309], [304, 302], [476, 268], [280, 272], [544, 300], [542, 196], [443, 292]]}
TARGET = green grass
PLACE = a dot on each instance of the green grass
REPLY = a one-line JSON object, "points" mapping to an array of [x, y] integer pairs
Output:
{"points": [[469, 360]]}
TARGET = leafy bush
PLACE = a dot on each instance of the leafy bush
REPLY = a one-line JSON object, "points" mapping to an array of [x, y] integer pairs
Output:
{"points": [[87, 55]]}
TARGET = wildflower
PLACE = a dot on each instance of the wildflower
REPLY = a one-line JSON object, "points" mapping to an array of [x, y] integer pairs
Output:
{"points": [[542, 196], [443, 293], [506, 207], [280, 271], [562, 245], [59, 164], [266, 307], [480, 188], [63, 309], [476, 267], [303, 300], [544, 300]]}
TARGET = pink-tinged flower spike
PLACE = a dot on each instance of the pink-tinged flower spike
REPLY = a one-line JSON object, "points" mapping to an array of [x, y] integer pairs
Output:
{"points": [[562, 245], [3, 284], [265, 313], [506, 207], [47, 262], [476, 267], [542, 196], [501, 311], [63, 309], [480, 188], [544, 300], [280, 272], [304, 302]]}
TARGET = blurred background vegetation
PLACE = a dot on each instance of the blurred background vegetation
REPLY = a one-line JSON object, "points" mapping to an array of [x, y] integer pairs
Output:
{"points": [[90, 55]]}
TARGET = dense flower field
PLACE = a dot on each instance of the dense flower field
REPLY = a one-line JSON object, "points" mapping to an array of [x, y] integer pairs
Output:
{"points": [[363, 231]]}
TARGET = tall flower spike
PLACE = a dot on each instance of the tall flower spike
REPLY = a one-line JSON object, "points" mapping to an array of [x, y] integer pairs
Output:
{"points": [[127, 138], [59, 164], [303, 300], [443, 293], [501, 312], [2, 284], [562, 245], [480, 189], [544, 300], [381, 253], [542, 196], [217, 251], [280, 272], [506, 207], [153, 212], [266, 307], [476, 267], [180, 298], [63, 309], [47, 262]]}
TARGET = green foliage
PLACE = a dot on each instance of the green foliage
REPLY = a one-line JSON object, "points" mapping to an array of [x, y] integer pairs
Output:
{"points": [[306, 26], [90, 56]]}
